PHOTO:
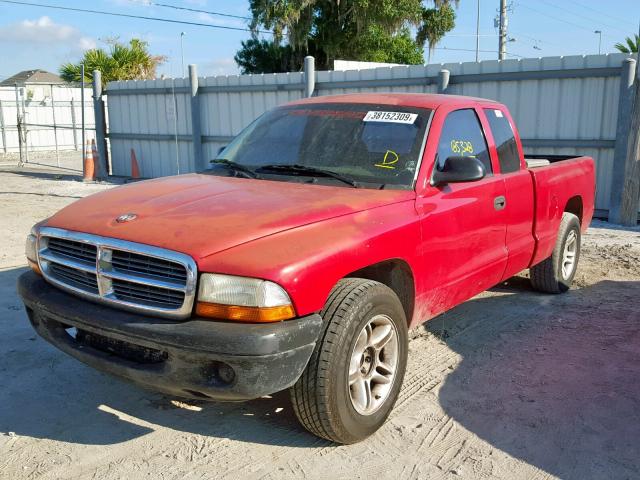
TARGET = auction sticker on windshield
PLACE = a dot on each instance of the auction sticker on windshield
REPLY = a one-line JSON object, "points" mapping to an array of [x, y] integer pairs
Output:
{"points": [[390, 117]]}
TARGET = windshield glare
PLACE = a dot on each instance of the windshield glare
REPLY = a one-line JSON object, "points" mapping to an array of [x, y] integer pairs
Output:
{"points": [[371, 144]]}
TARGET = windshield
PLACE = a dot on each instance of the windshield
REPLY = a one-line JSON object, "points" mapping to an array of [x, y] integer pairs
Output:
{"points": [[374, 145]]}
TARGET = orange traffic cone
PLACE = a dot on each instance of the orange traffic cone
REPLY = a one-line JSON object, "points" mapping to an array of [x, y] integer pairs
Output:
{"points": [[135, 170], [89, 169]]}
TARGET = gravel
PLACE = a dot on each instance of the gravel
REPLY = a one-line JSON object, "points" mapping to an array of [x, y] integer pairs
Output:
{"points": [[512, 384]]}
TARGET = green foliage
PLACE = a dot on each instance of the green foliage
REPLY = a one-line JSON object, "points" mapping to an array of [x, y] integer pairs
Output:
{"points": [[364, 30], [630, 46], [262, 56], [121, 62], [436, 22]]}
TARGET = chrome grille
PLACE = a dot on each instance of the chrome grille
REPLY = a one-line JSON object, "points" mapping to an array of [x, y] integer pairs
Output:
{"points": [[79, 251], [148, 295], [128, 262], [130, 275], [74, 277]]}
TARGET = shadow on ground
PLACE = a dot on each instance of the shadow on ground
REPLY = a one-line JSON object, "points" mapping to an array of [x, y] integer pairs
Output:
{"points": [[551, 380]]}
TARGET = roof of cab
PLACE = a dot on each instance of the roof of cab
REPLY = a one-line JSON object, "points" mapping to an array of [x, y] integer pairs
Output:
{"points": [[421, 100]]}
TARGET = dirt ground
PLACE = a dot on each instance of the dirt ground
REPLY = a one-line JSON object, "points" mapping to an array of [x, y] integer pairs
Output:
{"points": [[512, 384]]}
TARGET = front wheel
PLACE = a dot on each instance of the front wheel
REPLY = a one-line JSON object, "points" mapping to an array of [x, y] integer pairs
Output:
{"points": [[356, 370], [555, 274]]}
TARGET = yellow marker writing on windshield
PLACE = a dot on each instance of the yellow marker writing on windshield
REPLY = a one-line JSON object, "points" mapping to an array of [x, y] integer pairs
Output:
{"points": [[389, 160]]}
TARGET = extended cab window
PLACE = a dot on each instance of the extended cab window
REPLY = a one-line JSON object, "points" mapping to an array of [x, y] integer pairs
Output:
{"points": [[462, 136], [373, 145], [505, 141]]}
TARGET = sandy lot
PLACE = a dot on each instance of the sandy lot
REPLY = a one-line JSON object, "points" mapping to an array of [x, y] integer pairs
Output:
{"points": [[513, 384]]}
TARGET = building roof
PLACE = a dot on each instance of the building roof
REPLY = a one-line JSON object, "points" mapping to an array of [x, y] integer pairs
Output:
{"points": [[31, 77]]}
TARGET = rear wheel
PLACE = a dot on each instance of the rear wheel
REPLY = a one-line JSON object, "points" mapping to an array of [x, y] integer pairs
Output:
{"points": [[556, 273], [355, 372]]}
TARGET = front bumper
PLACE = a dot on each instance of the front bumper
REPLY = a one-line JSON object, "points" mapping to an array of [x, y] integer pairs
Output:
{"points": [[187, 358]]}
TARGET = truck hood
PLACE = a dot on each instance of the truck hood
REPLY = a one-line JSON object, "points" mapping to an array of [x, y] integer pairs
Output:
{"points": [[204, 214]]}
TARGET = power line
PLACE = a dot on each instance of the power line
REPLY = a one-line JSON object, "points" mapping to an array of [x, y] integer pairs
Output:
{"points": [[598, 22], [600, 12], [535, 40], [473, 50], [540, 12], [139, 17], [196, 10]]}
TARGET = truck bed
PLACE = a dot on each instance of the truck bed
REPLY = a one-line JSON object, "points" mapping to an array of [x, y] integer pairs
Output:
{"points": [[535, 161], [551, 174]]}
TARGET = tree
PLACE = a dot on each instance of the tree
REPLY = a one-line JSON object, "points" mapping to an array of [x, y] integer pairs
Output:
{"points": [[436, 22], [259, 56], [362, 30], [121, 62], [631, 45]]}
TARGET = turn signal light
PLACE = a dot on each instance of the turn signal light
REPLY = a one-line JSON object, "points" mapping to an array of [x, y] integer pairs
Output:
{"points": [[34, 266], [245, 314]]}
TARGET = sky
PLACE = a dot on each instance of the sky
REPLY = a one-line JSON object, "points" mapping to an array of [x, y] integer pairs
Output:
{"points": [[38, 37]]}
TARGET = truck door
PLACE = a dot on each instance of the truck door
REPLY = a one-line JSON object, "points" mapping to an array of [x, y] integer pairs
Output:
{"points": [[519, 207], [463, 224]]}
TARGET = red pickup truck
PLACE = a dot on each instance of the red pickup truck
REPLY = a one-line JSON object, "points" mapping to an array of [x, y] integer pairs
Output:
{"points": [[322, 233]]}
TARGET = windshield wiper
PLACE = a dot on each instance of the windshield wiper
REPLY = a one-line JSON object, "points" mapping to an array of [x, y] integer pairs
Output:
{"points": [[297, 169], [236, 167]]}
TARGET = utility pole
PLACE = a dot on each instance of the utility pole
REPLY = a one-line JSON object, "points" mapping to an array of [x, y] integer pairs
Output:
{"points": [[478, 34], [502, 40]]}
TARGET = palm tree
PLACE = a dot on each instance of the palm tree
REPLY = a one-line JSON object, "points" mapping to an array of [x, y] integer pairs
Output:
{"points": [[631, 46], [121, 62], [435, 23]]}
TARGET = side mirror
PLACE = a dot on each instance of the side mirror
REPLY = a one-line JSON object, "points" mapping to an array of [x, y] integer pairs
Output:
{"points": [[457, 170]]}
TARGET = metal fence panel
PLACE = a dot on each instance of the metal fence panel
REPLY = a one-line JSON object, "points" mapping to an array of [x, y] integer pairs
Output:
{"points": [[565, 105], [52, 119]]}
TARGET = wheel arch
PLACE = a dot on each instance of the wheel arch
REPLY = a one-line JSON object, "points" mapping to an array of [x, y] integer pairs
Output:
{"points": [[395, 274], [574, 205]]}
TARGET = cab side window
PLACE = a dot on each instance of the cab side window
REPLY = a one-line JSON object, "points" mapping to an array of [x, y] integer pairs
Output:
{"points": [[505, 141], [462, 136]]}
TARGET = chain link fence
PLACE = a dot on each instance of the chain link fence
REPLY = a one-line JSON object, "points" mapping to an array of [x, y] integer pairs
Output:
{"points": [[45, 125]]}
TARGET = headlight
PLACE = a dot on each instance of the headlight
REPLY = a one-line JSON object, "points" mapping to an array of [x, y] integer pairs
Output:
{"points": [[243, 299], [31, 250]]}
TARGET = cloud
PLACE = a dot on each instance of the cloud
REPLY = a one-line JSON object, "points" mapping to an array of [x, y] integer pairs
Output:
{"points": [[44, 31], [222, 21], [41, 43], [221, 66]]}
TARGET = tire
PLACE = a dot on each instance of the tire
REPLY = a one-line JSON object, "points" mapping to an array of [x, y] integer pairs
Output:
{"points": [[322, 397], [553, 275]]}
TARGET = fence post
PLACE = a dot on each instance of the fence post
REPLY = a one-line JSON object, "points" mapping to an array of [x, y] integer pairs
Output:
{"points": [[4, 133], [631, 186], [196, 125], [101, 127], [82, 120], [309, 76], [74, 124], [622, 136], [443, 80], [55, 126], [22, 135]]}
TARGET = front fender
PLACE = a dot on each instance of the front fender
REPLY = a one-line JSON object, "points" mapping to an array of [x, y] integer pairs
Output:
{"points": [[309, 260]]}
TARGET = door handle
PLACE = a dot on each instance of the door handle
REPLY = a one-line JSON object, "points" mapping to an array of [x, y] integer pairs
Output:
{"points": [[499, 202]]}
